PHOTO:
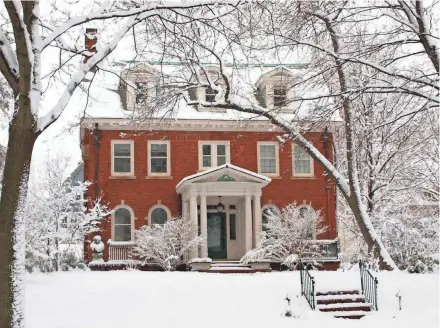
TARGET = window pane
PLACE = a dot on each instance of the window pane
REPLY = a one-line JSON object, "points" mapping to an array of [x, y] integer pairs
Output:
{"points": [[221, 149], [221, 160], [158, 150], [302, 161], [267, 151], [122, 216], [159, 216], [206, 149], [158, 165], [122, 165], [206, 161], [302, 166], [232, 227], [122, 232], [279, 101], [268, 165], [122, 149], [279, 91]]}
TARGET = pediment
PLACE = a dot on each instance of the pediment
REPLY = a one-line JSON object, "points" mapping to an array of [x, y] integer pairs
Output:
{"points": [[225, 174]]}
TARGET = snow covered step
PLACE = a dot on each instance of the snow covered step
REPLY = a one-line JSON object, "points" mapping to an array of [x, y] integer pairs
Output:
{"points": [[228, 264], [230, 269], [338, 292], [344, 298], [340, 307], [350, 314]]}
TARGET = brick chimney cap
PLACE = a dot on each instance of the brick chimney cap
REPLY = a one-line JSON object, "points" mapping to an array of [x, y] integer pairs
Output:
{"points": [[91, 30]]}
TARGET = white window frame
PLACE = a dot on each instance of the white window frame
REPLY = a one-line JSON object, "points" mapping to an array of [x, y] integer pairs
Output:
{"points": [[277, 158], [132, 224], [311, 174], [159, 142], [131, 143], [213, 153], [152, 208]]}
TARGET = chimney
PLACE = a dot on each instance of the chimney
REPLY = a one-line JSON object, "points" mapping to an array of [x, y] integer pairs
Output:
{"points": [[91, 37]]}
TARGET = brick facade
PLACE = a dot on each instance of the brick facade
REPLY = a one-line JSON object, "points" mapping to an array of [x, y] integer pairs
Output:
{"points": [[143, 192]]}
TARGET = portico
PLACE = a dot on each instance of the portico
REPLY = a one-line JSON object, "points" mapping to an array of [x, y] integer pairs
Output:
{"points": [[223, 204]]}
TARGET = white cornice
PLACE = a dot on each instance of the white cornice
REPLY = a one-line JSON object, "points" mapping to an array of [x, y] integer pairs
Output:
{"points": [[197, 125]]}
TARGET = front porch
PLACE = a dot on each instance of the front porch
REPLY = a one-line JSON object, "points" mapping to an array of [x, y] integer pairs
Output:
{"points": [[223, 205]]}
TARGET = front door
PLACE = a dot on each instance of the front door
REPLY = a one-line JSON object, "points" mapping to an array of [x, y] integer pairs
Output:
{"points": [[217, 235]]}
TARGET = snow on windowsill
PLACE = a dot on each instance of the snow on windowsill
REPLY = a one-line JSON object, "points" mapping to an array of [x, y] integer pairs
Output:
{"points": [[120, 243]]}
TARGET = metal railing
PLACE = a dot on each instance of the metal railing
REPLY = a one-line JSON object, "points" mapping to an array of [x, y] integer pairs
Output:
{"points": [[119, 252], [308, 286], [323, 249], [369, 285]]}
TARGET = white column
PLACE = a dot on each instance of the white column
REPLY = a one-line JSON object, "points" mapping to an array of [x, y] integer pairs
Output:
{"points": [[185, 217], [257, 218], [204, 226], [248, 223], [185, 210], [193, 220]]}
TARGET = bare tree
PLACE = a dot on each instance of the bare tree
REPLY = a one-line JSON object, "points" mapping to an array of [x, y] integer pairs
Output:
{"points": [[352, 51], [20, 66]]}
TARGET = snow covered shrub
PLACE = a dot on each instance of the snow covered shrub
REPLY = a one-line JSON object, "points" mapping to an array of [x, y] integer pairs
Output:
{"points": [[165, 244], [287, 238], [58, 220]]}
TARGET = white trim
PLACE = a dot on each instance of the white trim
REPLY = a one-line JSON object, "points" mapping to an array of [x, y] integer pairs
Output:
{"points": [[277, 158], [276, 208], [152, 208], [131, 143], [215, 143], [159, 142], [182, 124], [131, 222], [225, 168], [311, 163]]}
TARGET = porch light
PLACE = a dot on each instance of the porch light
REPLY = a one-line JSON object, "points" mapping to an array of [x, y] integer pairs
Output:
{"points": [[220, 206]]}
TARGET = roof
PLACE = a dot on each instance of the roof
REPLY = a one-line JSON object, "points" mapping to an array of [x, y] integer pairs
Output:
{"points": [[105, 99]]}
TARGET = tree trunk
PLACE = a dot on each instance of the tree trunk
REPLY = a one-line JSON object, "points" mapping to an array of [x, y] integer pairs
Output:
{"points": [[18, 157]]}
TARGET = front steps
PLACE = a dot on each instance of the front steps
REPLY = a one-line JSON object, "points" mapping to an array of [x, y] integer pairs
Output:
{"points": [[230, 267], [345, 304]]}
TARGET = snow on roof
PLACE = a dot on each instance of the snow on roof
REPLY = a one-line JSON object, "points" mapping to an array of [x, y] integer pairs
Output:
{"points": [[222, 167], [104, 100]]}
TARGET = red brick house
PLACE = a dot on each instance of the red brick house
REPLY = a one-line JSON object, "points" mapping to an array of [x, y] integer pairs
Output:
{"points": [[220, 169]]}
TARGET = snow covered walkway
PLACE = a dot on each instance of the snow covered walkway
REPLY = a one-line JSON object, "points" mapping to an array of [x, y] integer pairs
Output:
{"points": [[188, 299]]}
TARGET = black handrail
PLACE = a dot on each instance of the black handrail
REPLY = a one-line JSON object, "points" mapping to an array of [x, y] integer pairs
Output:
{"points": [[308, 286], [369, 285]]}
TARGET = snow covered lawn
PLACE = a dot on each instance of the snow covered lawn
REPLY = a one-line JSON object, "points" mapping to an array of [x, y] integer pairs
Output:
{"points": [[188, 299]]}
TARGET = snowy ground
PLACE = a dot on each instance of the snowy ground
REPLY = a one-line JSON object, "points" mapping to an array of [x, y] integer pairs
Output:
{"points": [[186, 299]]}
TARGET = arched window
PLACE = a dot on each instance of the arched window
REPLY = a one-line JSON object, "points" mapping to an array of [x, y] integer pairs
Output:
{"points": [[159, 214], [123, 218], [266, 212], [308, 213]]}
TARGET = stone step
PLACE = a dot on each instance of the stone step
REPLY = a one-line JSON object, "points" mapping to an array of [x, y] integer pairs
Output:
{"points": [[344, 307], [338, 292], [226, 269], [350, 314], [332, 299]]}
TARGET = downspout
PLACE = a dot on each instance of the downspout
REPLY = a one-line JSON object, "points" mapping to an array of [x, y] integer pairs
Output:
{"points": [[325, 141]]}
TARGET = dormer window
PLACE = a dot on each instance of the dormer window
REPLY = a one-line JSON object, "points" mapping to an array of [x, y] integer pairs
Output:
{"points": [[279, 96], [274, 89], [210, 94], [141, 92]]}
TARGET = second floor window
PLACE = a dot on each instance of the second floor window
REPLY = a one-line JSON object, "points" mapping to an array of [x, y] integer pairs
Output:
{"points": [[210, 94], [302, 162], [122, 157], [279, 96], [268, 158], [159, 157], [213, 154]]}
